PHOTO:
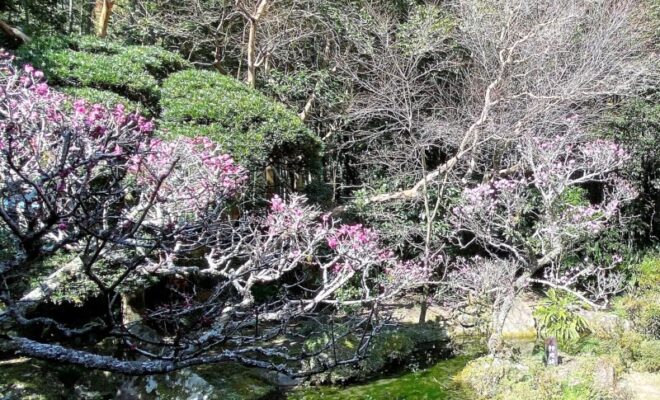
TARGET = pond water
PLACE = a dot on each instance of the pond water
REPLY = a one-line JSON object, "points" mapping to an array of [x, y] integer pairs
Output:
{"points": [[433, 382], [23, 378]]}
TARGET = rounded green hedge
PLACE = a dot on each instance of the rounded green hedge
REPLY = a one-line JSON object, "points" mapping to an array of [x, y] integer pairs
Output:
{"points": [[257, 130], [85, 61]]}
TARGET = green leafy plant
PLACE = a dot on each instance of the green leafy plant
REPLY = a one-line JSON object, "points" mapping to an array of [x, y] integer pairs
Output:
{"points": [[557, 316]]}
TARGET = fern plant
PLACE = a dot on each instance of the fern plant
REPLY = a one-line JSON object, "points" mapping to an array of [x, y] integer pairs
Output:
{"points": [[557, 316]]}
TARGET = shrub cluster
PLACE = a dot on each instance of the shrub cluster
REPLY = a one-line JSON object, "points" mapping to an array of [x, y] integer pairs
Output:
{"points": [[246, 123], [132, 71], [153, 81], [642, 307]]}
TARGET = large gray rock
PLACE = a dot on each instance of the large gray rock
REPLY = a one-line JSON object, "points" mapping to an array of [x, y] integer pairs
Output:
{"points": [[604, 324], [409, 313], [473, 320], [520, 321]]}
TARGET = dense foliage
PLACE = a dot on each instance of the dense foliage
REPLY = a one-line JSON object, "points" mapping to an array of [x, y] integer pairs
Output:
{"points": [[558, 317], [251, 126], [255, 129], [86, 61], [132, 208], [215, 177]]}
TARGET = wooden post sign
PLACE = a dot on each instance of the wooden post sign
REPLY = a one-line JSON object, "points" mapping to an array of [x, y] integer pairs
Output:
{"points": [[551, 351]]}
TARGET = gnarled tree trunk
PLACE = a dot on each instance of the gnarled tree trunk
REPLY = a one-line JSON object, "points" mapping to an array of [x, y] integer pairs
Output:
{"points": [[501, 310]]}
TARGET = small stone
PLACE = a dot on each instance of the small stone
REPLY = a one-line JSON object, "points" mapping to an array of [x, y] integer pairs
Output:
{"points": [[604, 376]]}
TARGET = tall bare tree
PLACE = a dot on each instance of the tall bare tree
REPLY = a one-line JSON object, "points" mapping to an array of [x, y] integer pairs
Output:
{"points": [[253, 12], [531, 65]]}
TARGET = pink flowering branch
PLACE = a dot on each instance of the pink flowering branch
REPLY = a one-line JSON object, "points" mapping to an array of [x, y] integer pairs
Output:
{"points": [[528, 217], [93, 182]]}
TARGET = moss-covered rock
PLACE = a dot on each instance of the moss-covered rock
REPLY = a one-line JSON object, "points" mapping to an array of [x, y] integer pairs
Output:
{"points": [[485, 376], [432, 383], [583, 377]]}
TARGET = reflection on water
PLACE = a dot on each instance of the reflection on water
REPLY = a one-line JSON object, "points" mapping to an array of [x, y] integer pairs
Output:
{"points": [[434, 382]]}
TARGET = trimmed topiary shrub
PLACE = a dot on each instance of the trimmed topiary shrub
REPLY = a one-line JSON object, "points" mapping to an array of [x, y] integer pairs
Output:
{"points": [[255, 129], [105, 97], [130, 71]]}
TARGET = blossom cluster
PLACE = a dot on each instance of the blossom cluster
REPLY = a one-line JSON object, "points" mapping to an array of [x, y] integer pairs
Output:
{"points": [[528, 209], [351, 247], [352, 236], [488, 198], [50, 154], [195, 174], [560, 159], [53, 148], [40, 131], [288, 218]]}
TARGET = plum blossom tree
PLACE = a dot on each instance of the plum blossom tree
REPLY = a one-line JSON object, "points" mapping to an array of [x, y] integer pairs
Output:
{"points": [[512, 141], [93, 182], [540, 213]]}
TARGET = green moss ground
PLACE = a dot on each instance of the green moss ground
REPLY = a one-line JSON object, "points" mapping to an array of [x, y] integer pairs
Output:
{"points": [[433, 383]]}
